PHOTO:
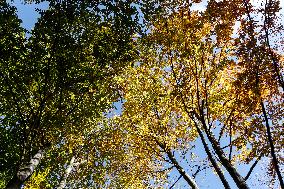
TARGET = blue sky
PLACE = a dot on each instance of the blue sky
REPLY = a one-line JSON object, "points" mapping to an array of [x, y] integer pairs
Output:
{"points": [[28, 14]]}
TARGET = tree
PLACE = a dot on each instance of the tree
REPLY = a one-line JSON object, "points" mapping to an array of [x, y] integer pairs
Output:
{"points": [[57, 79], [57, 113], [187, 77], [206, 77]]}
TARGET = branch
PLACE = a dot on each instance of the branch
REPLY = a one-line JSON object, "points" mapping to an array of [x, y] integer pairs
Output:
{"points": [[253, 166], [272, 148], [212, 160], [182, 172], [175, 182], [231, 146]]}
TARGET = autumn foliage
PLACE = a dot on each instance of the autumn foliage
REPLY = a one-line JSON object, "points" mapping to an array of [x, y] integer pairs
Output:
{"points": [[143, 94]]}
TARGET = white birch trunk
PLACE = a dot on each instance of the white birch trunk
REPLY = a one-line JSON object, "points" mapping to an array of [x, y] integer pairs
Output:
{"points": [[68, 170], [25, 171]]}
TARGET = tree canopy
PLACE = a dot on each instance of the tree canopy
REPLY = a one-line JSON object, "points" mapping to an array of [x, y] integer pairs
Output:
{"points": [[185, 81]]}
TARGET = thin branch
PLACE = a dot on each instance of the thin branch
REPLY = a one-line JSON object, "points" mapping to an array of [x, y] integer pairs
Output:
{"points": [[186, 177], [222, 130], [170, 155], [253, 166], [221, 133], [166, 169], [199, 170], [175, 182]]}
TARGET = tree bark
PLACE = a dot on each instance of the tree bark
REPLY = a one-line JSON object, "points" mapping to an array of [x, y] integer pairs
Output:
{"points": [[212, 160], [68, 170], [239, 180], [181, 171], [272, 148], [25, 171]]}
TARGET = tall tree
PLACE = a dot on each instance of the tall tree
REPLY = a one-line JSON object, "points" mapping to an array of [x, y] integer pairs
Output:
{"points": [[185, 77], [57, 78], [59, 83], [208, 77]]}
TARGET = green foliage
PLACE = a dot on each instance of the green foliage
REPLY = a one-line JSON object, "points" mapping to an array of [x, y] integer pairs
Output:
{"points": [[57, 83], [181, 75], [57, 79]]}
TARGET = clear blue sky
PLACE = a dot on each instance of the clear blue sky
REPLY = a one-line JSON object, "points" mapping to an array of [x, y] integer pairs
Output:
{"points": [[27, 12], [207, 179]]}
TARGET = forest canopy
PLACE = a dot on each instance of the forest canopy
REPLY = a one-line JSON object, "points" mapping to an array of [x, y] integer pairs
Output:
{"points": [[142, 94]]}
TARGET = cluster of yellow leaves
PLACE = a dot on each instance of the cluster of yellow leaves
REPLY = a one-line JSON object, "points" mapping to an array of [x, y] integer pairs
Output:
{"points": [[38, 180], [193, 62]]}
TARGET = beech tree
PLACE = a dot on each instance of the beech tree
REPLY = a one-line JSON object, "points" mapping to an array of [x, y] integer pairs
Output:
{"points": [[197, 78], [182, 76], [57, 83]]}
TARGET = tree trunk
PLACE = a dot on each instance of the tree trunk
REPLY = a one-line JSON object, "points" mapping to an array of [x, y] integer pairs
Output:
{"points": [[181, 171], [67, 172], [25, 171], [212, 160], [239, 180]]}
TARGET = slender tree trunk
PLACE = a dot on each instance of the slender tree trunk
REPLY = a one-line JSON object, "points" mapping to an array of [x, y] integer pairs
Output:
{"points": [[212, 160], [181, 171], [279, 78], [68, 170], [272, 148], [25, 171], [239, 180]]}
